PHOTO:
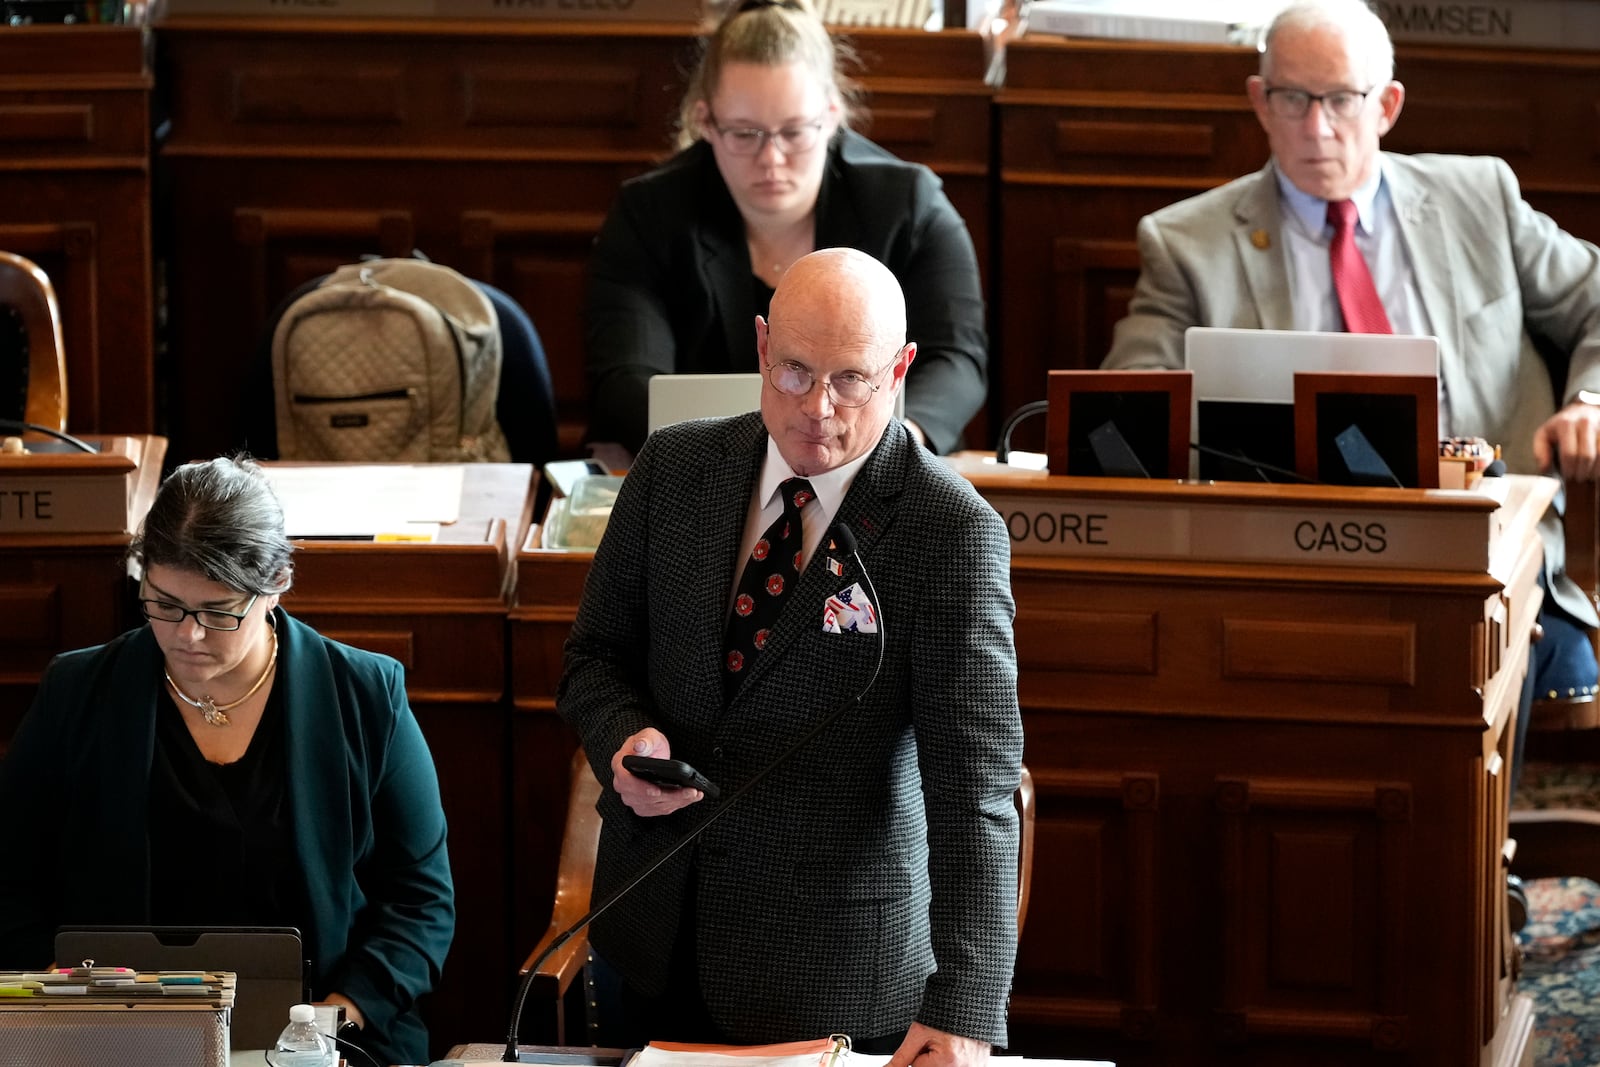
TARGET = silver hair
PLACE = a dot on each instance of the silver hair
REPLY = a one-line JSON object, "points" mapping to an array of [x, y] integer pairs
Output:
{"points": [[1361, 27], [218, 518]]}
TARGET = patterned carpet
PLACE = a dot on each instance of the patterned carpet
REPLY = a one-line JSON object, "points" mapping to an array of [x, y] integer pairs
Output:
{"points": [[1561, 970]]}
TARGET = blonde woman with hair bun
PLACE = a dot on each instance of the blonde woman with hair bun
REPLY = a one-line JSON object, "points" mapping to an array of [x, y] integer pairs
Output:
{"points": [[768, 170]]}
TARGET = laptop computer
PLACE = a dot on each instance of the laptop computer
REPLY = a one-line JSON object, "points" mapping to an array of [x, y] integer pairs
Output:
{"points": [[678, 397], [268, 960], [1244, 389]]}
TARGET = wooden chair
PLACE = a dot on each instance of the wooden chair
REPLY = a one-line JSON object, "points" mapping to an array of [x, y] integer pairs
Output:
{"points": [[575, 881], [30, 327]]}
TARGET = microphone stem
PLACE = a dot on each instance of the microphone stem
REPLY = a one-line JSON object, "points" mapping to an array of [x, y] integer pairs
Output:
{"points": [[678, 846]]}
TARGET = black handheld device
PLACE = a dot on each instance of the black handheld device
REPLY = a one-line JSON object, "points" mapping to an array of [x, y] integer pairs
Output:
{"points": [[671, 773]]}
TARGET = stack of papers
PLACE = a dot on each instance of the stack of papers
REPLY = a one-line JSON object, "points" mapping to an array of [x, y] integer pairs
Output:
{"points": [[1238, 22]]}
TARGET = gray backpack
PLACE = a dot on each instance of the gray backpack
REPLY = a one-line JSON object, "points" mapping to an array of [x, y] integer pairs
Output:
{"points": [[392, 359]]}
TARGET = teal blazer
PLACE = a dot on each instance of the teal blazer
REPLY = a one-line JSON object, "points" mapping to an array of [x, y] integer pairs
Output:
{"points": [[364, 799]]}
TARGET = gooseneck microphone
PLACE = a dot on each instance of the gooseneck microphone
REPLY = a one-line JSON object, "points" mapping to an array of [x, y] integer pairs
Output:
{"points": [[846, 540], [19, 426], [1261, 469]]}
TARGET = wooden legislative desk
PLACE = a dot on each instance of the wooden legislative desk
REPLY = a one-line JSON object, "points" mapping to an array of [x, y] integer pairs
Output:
{"points": [[495, 147], [1272, 788], [1093, 135], [440, 610], [75, 199], [60, 591], [549, 586]]}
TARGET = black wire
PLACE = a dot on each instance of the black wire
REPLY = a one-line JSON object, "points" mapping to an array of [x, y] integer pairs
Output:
{"points": [[15, 426], [1002, 450], [346, 1044], [1256, 464]]}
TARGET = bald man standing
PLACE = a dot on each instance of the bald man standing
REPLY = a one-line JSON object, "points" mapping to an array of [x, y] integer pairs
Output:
{"points": [[868, 886]]}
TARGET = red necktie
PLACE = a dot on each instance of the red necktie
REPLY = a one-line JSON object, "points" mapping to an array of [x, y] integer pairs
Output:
{"points": [[769, 576], [1352, 281]]}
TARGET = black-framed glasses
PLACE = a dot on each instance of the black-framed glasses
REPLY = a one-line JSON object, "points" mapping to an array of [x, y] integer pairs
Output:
{"points": [[210, 618], [1342, 105], [750, 140], [851, 389]]}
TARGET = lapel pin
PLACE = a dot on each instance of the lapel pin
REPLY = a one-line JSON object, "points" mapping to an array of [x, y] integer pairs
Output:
{"points": [[835, 568], [1261, 239]]}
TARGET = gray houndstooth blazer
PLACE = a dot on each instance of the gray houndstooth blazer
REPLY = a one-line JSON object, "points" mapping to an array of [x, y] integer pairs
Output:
{"points": [[886, 849], [1494, 274]]}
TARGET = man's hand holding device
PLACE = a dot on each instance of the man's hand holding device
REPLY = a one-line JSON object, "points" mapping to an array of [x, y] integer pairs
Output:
{"points": [[672, 784]]}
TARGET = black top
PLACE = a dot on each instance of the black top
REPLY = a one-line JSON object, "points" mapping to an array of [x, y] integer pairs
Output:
{"points": [[221, 850], [762, 296], [669, 288]]}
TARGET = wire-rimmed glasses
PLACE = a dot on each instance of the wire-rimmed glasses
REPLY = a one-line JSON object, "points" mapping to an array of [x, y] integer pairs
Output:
{"points": [[850, 389]]}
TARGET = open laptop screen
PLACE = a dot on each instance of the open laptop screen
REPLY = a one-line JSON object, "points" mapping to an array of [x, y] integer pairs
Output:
{"points": [[1244, 389], [268, 960]]}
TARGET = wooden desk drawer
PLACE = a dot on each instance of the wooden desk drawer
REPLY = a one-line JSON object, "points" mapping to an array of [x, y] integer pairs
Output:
{"points": [[1215, 138], [55, 600], [510, 89], [112, 128], [455, 656], [70, 92], [30, 625]]}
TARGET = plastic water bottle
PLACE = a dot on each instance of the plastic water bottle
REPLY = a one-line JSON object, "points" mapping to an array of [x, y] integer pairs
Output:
{"points": [[301, 1044]]}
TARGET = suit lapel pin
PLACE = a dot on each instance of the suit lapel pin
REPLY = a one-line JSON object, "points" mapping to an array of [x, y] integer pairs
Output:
{"points": [[1261, 239], [835, 568]]}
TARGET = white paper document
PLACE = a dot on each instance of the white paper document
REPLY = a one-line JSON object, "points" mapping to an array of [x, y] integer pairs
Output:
{"points": [[379, 501]]}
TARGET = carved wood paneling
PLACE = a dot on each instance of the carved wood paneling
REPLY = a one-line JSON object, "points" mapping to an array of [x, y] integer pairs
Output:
{"points": [[30, 616], [1313, 872], [1094, 281], [75, 198], [365, 94], [71, 124], [559, 95], [69, 254], [267, 237], [1096, 949], [1114, 642], [1366, 653], [541, 259]]}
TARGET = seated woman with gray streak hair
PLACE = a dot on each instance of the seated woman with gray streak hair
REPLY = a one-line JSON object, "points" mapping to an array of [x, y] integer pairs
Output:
{"points": [[226, 765]]}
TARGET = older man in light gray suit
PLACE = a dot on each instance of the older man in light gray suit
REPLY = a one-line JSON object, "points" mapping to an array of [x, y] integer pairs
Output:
{"points": [[868, 885], [1453, 250]]}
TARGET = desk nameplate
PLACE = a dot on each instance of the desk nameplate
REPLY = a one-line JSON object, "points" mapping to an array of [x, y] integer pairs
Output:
{"points": [[1322, 533], [52, 493]]}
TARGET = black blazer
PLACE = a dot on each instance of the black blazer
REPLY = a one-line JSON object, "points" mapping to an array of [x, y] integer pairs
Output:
{"points": [[872, 880], [671, 289], [369, 830]]}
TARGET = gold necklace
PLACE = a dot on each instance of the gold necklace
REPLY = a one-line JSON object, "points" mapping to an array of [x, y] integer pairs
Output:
{"points": [[217, 714]]}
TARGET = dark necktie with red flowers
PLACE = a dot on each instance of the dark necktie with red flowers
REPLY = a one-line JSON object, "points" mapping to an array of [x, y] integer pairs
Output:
{"points": [[769, 575]]}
